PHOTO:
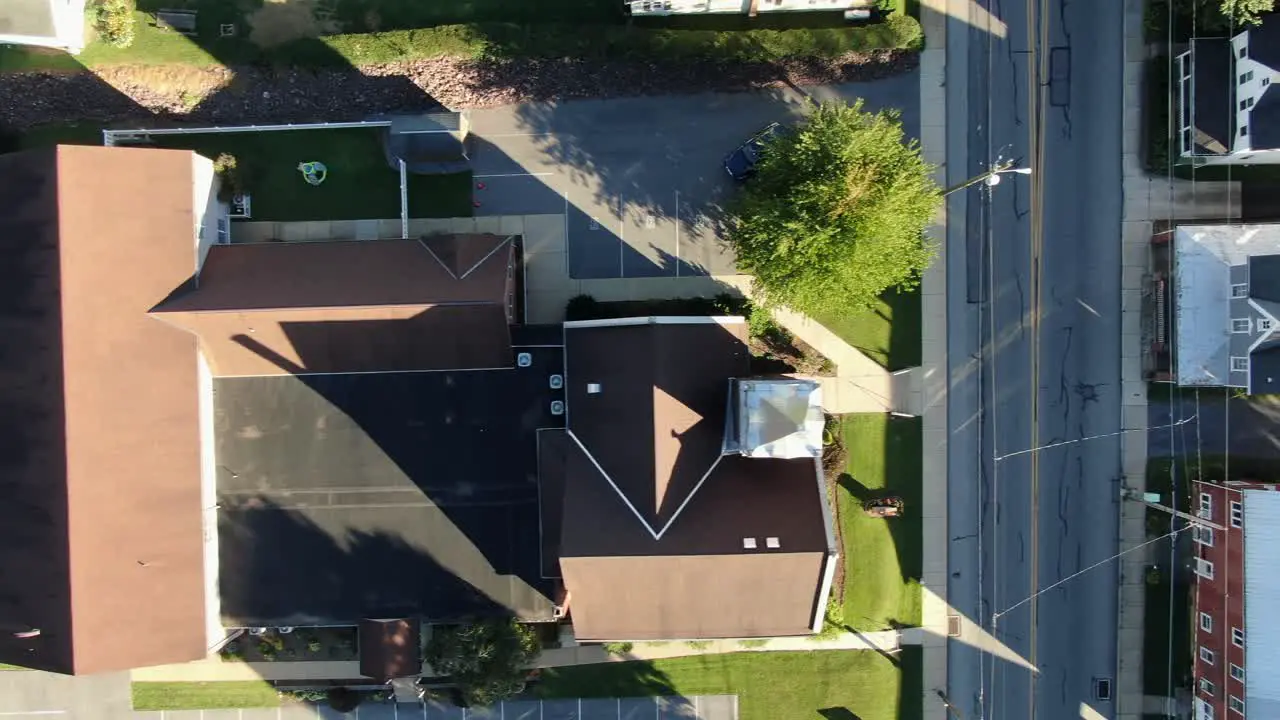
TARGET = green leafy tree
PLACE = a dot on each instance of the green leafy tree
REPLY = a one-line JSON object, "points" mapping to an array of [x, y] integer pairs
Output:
{"points": [[1247, 12], [487, 660], [836, 212]]}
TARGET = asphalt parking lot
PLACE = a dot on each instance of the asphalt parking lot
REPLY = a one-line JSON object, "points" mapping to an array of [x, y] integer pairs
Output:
{"points": [[641, 181]]}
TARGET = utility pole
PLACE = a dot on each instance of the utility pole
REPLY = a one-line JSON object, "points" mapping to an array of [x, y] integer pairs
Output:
{"points": [[952, 710], [1131, 494]]}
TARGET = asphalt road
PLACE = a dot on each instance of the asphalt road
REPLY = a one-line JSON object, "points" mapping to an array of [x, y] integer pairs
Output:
{"points": [[641, 180], [1015, 531]]}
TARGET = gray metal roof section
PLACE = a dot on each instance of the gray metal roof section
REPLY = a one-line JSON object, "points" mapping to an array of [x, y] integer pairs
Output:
{"points": [[1261, 597], [33, 18], [1264, 277], [1264, 41], [1264, 369], [1203, 258], [1264, 121]]}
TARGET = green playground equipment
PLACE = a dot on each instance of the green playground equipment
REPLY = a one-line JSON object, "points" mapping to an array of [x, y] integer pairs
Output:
{"points": [[313, 172]]}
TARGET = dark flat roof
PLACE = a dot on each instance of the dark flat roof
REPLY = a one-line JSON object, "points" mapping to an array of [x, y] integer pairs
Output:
{"points": [[1214, 119], [407, 495]]}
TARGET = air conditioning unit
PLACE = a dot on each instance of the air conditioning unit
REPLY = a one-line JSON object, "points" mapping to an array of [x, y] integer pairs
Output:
{"points": [[524, 359], [556, 382], [557, 407]]}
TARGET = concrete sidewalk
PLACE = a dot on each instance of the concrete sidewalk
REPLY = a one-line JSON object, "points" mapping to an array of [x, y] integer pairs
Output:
{"points": [[214, 669], [932, 380]]}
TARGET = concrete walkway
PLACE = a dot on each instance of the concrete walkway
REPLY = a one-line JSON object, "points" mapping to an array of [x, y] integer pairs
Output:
{"points": [[932, 377], [215, 669]]}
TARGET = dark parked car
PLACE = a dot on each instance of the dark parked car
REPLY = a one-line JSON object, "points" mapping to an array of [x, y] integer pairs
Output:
{"points": [[741, 163]]}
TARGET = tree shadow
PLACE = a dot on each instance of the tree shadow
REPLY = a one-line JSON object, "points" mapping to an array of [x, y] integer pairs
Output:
{"points": [[837, 713]]}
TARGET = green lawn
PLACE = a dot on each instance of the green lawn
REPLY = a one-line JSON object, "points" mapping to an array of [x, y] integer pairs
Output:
{"points": [[882, 557], [8, 668], [889, 333], [378, 31], [203, 695], [360, 183], [769, 685]]}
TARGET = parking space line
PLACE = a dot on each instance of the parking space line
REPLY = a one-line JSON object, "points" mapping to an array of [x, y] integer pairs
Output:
{"points": [[567, 273], [677, 233], [523, 174], [622, 241]]}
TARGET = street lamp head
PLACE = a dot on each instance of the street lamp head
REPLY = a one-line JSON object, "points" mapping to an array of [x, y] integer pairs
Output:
{"points": [[992, 180]]}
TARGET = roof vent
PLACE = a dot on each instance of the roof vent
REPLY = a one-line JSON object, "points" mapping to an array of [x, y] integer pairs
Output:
{"points": [[772, 543], [593, 388], [524, 359], [258, 631], [557, 407], [557, 382], [749, 543]]}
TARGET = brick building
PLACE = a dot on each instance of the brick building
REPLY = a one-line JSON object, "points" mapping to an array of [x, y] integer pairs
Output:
{"points": [[1237, 589]]}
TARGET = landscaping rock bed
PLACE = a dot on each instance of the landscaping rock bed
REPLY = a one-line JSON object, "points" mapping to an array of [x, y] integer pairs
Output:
{"points": [[248, 95]]}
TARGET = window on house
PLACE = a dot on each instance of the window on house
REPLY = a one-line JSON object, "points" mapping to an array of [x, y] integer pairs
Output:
{"points": [[1206, 506], [1236, 705], [1237, 515], [1244, 51], [1264, 324], [1240, 364], [1240, 290], [1237, 672], [1246, 77], [1237, 637], [1206, 687], [1202, 535], [1244, 131], [1204, 568], [1206, 656], [1206, 622], [1266, 82], [1248, 102], [1240, 325]]}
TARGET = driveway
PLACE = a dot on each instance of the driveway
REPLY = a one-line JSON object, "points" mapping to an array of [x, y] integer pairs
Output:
{"points": [[1243, 427], [641, 180], [27, 695]]}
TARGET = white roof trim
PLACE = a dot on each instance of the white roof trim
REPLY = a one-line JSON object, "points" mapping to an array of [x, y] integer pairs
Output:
{"points": [[658, 320], [437, 257], [612, 484], [488, 255]]}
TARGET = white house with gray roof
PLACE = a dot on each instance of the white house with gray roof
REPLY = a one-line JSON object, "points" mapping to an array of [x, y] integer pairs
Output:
{"points": [[1227, 112], [1217, 310]]}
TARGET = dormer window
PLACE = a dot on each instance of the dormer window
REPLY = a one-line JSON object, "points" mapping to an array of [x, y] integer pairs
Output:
{"points": [[1264, 324]]}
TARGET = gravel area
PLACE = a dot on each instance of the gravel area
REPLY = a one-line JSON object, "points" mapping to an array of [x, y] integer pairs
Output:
{"points": [[222, 95]]}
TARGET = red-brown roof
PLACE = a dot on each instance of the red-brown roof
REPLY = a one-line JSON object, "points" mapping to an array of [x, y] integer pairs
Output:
{"points": [[390, 648], [100, 527], [653, 516], [363, 306]]}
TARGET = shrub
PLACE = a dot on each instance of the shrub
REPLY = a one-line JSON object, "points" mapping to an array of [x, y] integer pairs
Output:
{"points": [[905, 31], [621, 648], [231, 652], [486, 660], [115, 21], [343, 699], [313, 646], [230, 180], [305, 695], [267, 650], [582, 307]]}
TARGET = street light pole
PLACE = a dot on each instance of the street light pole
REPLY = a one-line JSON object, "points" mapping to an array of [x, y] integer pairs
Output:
{"points": [[991, 177], [952, 710]]}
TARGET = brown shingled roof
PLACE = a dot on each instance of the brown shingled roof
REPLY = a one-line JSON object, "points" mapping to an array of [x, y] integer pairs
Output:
{"points": [[364, 306], [657, 423], [100, 527]]}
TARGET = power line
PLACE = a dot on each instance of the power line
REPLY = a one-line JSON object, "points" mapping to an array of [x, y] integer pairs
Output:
{"points": [[1100, 563], [1183, 421]]}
